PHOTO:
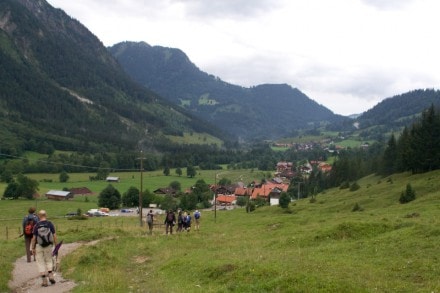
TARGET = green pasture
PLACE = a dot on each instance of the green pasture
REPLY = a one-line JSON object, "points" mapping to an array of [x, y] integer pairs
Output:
{"points": [[151, 180], [314, 246]]}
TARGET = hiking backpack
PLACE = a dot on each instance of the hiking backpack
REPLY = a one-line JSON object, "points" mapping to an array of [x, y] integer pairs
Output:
{"points": [[197, 215], [29, 226], [45, 235], [170, 217], [149, 218]]}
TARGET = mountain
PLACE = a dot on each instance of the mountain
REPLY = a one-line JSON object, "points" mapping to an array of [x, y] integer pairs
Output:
{"points": [[261, 112], [61, 88], [401, 109]]}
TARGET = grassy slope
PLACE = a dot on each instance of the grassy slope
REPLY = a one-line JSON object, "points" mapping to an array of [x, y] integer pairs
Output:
{"points": [[319, 247]]}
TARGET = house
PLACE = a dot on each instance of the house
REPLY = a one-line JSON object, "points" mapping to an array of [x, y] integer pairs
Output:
{"points": [[59, 195], [81, 191], [223, 199], [284, 166], [243, 191], [165, 191], [112, 179]]}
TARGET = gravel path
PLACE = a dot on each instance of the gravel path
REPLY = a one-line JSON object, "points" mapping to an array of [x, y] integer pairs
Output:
{"points": [[25, 276]]}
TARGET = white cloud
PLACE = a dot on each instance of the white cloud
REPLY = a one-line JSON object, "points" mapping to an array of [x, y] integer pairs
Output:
{"points": [[346, 55]]}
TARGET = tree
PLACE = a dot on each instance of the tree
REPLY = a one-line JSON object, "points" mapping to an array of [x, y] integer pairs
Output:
{"points": [[224, 181], [64, 177], [26, 187], [284, 200], [179, 171], [190, 171], [166, 171], [130, 198], [6, 176], [103, 171], [241, 201], [11, 190], [176, 185], [408, 195], [109, 198]]}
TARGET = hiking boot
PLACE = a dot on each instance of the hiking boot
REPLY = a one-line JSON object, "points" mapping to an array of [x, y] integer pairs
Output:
{"points": [[44, 284], [51, 278]]}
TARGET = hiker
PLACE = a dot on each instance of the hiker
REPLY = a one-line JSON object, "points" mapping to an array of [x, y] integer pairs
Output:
{"points": [[28, 224], [188, 222], [42, 244], [197, 215], [180, 222], [150, 220], [170, 221], [184, 215]]}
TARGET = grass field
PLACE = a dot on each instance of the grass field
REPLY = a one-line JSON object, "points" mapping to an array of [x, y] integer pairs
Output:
{"points": [[150, 180], [313, 247]]}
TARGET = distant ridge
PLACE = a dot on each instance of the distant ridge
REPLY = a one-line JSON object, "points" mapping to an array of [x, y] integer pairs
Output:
{"points": [[261, 112]]}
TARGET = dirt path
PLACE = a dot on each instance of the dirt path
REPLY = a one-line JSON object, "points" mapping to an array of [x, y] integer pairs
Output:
{"points": [[25, 276]]}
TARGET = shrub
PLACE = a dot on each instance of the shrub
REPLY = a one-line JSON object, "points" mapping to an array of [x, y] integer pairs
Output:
{"points": [[344, 185], [354, 186], [408, 195], [357, 208]]}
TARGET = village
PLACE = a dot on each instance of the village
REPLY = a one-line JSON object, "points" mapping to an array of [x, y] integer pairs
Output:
{"points": [[223, 195]]}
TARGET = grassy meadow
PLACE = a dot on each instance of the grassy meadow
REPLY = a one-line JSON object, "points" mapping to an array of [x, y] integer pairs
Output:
{"points": [[320, 246]]}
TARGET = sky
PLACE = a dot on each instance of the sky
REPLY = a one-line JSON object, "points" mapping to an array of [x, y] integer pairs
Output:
{"points": [[346, 55]]}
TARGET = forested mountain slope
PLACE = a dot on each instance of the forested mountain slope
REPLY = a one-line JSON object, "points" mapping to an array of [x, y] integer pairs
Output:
{"points": [[401, 109], [61, 88], [263, 111]]}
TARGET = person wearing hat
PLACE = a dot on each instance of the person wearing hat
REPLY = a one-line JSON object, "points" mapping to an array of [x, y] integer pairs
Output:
{"points": [[42, 244], [29, 221]]}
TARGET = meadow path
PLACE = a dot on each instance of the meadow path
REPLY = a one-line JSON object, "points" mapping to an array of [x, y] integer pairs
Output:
{"points": [[25, 276]]}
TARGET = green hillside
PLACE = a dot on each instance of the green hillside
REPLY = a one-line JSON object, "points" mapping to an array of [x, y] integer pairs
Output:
{"points": [[325, 246], [60, 89]]}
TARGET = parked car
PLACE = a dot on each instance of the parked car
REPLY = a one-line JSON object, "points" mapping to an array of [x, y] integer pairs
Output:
{"points": [[126, 211], [71, 214]]}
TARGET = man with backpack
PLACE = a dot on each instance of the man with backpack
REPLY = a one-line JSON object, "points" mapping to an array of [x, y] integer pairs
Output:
{"points": [[197, 220], [170, 221], [42, 244], [28, 224], [150, 220]]}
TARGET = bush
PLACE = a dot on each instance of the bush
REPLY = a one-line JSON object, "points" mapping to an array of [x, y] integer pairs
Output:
{"points": [[354, 186], [357, 208], [344, 185], [408, 195]]}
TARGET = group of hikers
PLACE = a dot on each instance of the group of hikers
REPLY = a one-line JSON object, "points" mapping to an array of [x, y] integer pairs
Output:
{"points": [[183, 221], [40, 240]]}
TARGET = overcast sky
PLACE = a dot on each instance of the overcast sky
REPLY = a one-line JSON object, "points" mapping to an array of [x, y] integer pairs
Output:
{"points": [[347, 55]]}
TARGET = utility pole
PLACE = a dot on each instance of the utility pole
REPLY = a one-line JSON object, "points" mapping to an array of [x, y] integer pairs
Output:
{"points": [[299, 185], [215, 198], [140, 191]]}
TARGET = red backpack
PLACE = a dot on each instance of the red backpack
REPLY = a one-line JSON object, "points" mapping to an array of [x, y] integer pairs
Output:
{"points": [[29, 226]]}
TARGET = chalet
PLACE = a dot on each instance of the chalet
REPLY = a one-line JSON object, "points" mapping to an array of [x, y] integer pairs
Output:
{"points": [[283, 166], [243, 191], [59, 195], [165, 191], [112, 179], [226, 199]]}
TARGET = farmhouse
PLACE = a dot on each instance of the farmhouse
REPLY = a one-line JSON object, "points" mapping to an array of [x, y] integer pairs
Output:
{"points": [[165, 191], [225, 199], [59, 195]]}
